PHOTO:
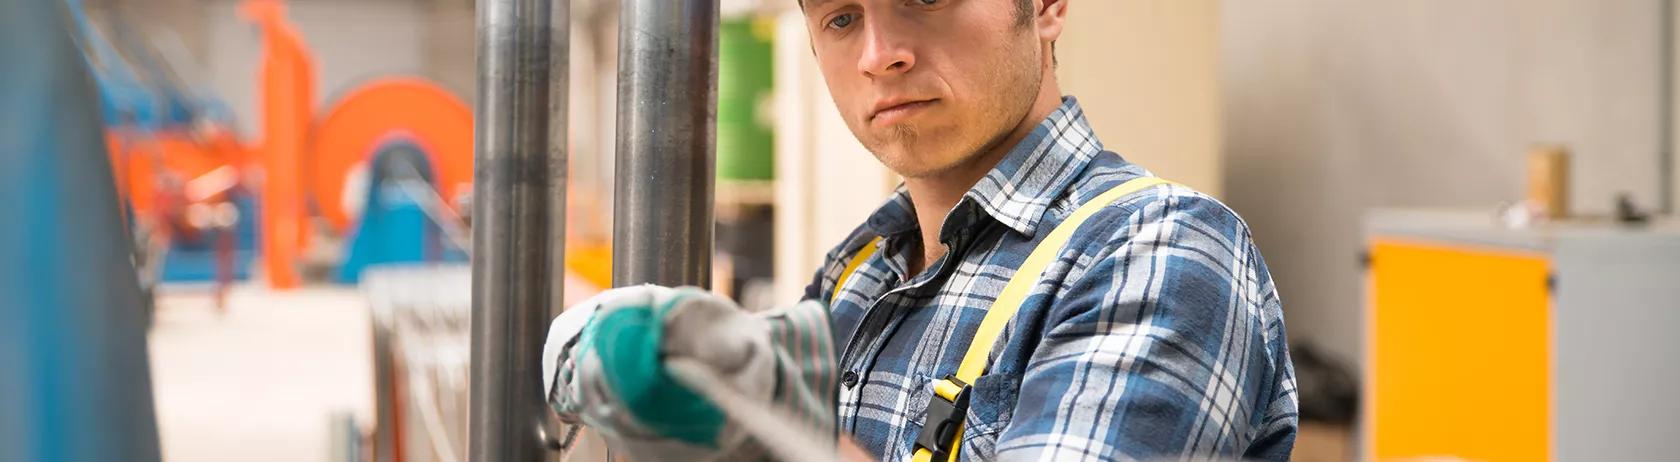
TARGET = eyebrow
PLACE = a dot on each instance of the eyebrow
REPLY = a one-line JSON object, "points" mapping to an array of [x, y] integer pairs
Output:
{"points": [[813, 3]]}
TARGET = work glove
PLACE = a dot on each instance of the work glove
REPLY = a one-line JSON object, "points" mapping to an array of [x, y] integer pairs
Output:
{"points": [[605, 366]]}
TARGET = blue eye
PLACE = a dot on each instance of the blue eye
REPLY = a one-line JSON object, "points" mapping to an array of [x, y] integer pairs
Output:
{"points": [[840, 22]]}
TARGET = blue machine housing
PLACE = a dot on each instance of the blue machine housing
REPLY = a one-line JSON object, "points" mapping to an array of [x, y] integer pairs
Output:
{"points": [[394, 226]]}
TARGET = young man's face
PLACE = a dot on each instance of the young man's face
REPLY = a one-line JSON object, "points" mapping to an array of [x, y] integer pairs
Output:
{"points": [[928, 84]]}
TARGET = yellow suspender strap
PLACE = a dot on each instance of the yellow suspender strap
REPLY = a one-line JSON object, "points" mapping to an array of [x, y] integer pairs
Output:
{"points": [[857, 260], [1031, 270], [1014, 293]]}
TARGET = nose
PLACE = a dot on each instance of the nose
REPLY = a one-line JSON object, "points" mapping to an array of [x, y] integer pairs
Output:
{"points": [[885, 53]]}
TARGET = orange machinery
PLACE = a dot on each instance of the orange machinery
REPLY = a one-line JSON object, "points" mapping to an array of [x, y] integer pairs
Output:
{"points": [[304, 158]]}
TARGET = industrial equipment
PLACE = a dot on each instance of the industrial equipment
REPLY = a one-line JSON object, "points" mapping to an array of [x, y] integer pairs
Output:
{"points": [[308, 158], [205, 199], [177, 165], [1543, 343]]}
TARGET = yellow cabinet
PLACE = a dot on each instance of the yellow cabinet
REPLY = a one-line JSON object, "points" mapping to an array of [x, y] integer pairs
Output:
{"points": [[1487, 343], [1459, 338]]}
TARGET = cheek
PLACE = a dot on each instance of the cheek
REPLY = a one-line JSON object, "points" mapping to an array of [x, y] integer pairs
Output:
{"points": [[846, 88], [997, 78]]}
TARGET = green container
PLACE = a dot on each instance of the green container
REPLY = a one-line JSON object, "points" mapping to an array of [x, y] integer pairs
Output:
{"points": [[745, 142]]}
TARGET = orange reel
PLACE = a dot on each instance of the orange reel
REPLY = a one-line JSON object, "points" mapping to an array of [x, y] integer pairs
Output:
{"points": [[407, 108]]}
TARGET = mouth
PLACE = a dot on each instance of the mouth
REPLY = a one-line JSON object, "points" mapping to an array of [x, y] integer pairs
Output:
{"points": [[894, 111]]}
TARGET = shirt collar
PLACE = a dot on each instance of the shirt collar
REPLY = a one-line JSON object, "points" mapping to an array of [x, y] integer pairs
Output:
{"points": [[1018, 191], [897, 216]]}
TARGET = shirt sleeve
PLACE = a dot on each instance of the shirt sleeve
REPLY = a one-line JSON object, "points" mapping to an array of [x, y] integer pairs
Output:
{"points": [[1167, 343], [807, 381]]}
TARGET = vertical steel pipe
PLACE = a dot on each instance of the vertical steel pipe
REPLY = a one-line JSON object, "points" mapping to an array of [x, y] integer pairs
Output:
{"points": [[518, 236], [667, 105], [1666, 195], [384, 389]]}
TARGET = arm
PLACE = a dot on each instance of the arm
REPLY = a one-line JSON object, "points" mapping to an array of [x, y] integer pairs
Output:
{"points": [[1169, 344]]}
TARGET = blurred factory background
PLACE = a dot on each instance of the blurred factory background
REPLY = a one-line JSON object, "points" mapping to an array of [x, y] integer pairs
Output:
{"points": [[1467, 206]]}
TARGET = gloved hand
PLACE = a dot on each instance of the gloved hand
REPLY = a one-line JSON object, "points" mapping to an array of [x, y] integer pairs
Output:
{"points": [[604, 366]]}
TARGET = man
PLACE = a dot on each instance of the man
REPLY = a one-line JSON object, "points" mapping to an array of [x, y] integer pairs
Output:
{"points": [[1154, 331]]}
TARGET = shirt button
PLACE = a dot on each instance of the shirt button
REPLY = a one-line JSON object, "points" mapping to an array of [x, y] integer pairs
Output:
{"points": [[849, 379]]}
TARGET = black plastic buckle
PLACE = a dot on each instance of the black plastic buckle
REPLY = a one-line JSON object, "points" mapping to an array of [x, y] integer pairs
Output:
{"points": [[944, 418]]}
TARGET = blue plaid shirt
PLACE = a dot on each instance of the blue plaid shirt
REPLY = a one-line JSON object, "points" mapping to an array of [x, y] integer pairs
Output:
{"points": [[1156, 334]]}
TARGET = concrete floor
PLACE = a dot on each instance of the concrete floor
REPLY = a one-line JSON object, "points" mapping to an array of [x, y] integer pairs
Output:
{"points": [[261, 382]]}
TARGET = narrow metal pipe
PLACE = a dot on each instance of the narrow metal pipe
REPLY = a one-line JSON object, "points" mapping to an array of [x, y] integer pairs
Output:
{"points": [[667, 105], [384, 389], [1665, 115], [518, 185]]}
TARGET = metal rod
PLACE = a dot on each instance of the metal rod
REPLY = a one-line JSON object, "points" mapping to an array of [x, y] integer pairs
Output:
{"points": [[384, 385], [519, 183], [667, 105], [1665, 116]]}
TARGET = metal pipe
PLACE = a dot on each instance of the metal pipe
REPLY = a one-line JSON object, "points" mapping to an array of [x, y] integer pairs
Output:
{"points": [[384, 388], [667, 90], [1665, 115], [518, 185]]}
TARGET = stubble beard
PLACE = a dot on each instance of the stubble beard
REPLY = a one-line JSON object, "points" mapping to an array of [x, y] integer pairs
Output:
{"points": [[1018, 83]]}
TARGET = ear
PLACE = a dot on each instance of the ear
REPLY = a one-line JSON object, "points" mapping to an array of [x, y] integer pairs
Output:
{"points": [[1050, 16]]}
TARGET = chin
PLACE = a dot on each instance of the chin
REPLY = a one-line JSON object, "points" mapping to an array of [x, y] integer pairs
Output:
{"points": [[913, 160], [909, 163]]}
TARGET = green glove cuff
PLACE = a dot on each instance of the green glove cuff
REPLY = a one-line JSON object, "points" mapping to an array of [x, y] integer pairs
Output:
{"points": [[627, 342]]}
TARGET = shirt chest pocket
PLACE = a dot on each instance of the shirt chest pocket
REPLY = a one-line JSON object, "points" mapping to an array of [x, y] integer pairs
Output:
{"points": [[991, 403]]}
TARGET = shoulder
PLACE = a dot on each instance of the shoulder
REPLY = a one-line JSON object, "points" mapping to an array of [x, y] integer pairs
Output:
{"points": [[1170, 249], [1176, 260], [1174, 212]]}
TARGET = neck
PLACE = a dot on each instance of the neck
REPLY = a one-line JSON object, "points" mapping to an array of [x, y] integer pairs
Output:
{"points": [[935, 195]]}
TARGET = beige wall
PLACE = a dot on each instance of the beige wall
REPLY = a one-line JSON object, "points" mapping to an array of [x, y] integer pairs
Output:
{"points": [[1147, 73], [450, 39], [174, 27], [1333, 107]]}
